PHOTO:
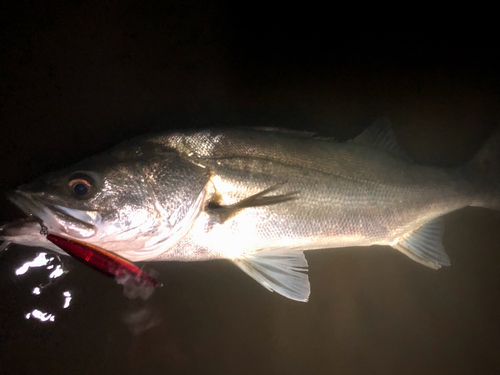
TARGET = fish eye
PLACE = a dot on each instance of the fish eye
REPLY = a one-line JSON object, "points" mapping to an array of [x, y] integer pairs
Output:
{"points": [[80, 188]]}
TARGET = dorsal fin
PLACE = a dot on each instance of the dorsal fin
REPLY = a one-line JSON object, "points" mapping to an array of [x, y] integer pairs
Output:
{"points": [[294, 133], [380, 134]]}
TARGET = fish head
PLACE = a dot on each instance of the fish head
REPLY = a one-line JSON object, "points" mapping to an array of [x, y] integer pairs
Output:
{"points": [[131, 199]]}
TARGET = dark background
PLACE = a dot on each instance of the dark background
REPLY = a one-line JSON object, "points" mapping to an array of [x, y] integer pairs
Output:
{"points": [[77, 77]]}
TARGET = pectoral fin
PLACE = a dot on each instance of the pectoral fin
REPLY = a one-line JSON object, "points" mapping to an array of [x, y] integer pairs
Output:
{"points": [[425, 245], [227, 211], [281, 271]]}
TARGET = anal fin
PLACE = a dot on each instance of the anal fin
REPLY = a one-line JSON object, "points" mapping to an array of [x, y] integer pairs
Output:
{"points": [[282, 271], [425, 245]]}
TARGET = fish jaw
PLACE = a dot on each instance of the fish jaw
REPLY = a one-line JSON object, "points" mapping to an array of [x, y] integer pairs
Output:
{"points": [[26, 232], [58, 219], [141, 243]]}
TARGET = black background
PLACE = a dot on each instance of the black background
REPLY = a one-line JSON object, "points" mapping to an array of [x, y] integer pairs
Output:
{"points": [[77, 77]]}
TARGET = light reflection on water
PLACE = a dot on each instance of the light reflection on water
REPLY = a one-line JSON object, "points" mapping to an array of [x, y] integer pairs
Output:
{"points": [[67, 299], [48, 268], [57, 272], [40, 260], [41, 316], [44, 261]]}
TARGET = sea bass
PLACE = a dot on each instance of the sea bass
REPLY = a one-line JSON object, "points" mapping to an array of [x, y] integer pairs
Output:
{"points": [[258, 197]]}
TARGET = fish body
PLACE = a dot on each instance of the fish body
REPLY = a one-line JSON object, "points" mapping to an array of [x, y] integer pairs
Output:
{"points": [[259, 197]]}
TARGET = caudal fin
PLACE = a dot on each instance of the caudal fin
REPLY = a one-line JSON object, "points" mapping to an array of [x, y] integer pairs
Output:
{"points": [[485, 167]]}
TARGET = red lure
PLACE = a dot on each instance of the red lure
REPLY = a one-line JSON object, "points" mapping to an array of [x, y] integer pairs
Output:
{"points": [[101, 260]]}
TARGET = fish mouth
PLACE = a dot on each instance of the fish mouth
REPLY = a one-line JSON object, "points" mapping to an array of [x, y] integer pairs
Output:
{"points": [[57, 219]]}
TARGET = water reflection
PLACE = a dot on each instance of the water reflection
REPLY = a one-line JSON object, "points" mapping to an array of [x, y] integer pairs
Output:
{"points": [[47, 301], [67, 299], [57, 272], [41, 316], [141, 319], [40, 261], [52, 263]]}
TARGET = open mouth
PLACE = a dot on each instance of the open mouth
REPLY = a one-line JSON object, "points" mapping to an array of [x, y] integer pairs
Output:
{"points": [[57, 219], [67, 229]]}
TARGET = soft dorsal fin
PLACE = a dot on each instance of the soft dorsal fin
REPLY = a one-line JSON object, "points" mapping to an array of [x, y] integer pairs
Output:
{"points": [[282, 271], [425, 245], [380, 134]]}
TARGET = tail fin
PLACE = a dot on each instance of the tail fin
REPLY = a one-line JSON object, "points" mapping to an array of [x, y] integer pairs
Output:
{"points": [[485, 167]]}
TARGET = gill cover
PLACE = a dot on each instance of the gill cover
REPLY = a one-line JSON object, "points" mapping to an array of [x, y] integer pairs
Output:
{"points": [[140, 194]]}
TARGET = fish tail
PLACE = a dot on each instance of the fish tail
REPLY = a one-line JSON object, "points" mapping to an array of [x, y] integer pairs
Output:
{"points": [[485, 168]]}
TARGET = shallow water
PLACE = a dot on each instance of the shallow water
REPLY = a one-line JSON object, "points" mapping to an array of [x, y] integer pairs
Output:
{"points": [[79, 78]]}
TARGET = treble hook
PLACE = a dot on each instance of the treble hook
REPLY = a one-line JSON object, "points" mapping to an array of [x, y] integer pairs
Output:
{"points": [[44, 230]]}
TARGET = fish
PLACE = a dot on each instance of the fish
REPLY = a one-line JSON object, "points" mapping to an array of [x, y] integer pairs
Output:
{"points": [[259, 197]]}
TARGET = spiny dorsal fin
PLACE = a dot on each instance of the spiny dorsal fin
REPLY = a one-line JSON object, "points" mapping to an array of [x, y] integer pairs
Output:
{"points": [[425, 245], [272, 129], [380, 134], [282, 271], [294, 133]]}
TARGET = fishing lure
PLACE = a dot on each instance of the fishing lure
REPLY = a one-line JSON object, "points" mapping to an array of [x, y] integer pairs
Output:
{"points": [[101, 260]]}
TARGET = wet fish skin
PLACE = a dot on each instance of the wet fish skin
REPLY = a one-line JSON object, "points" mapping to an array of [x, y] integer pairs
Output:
{"points": [[348, 194], [153, 196]]}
